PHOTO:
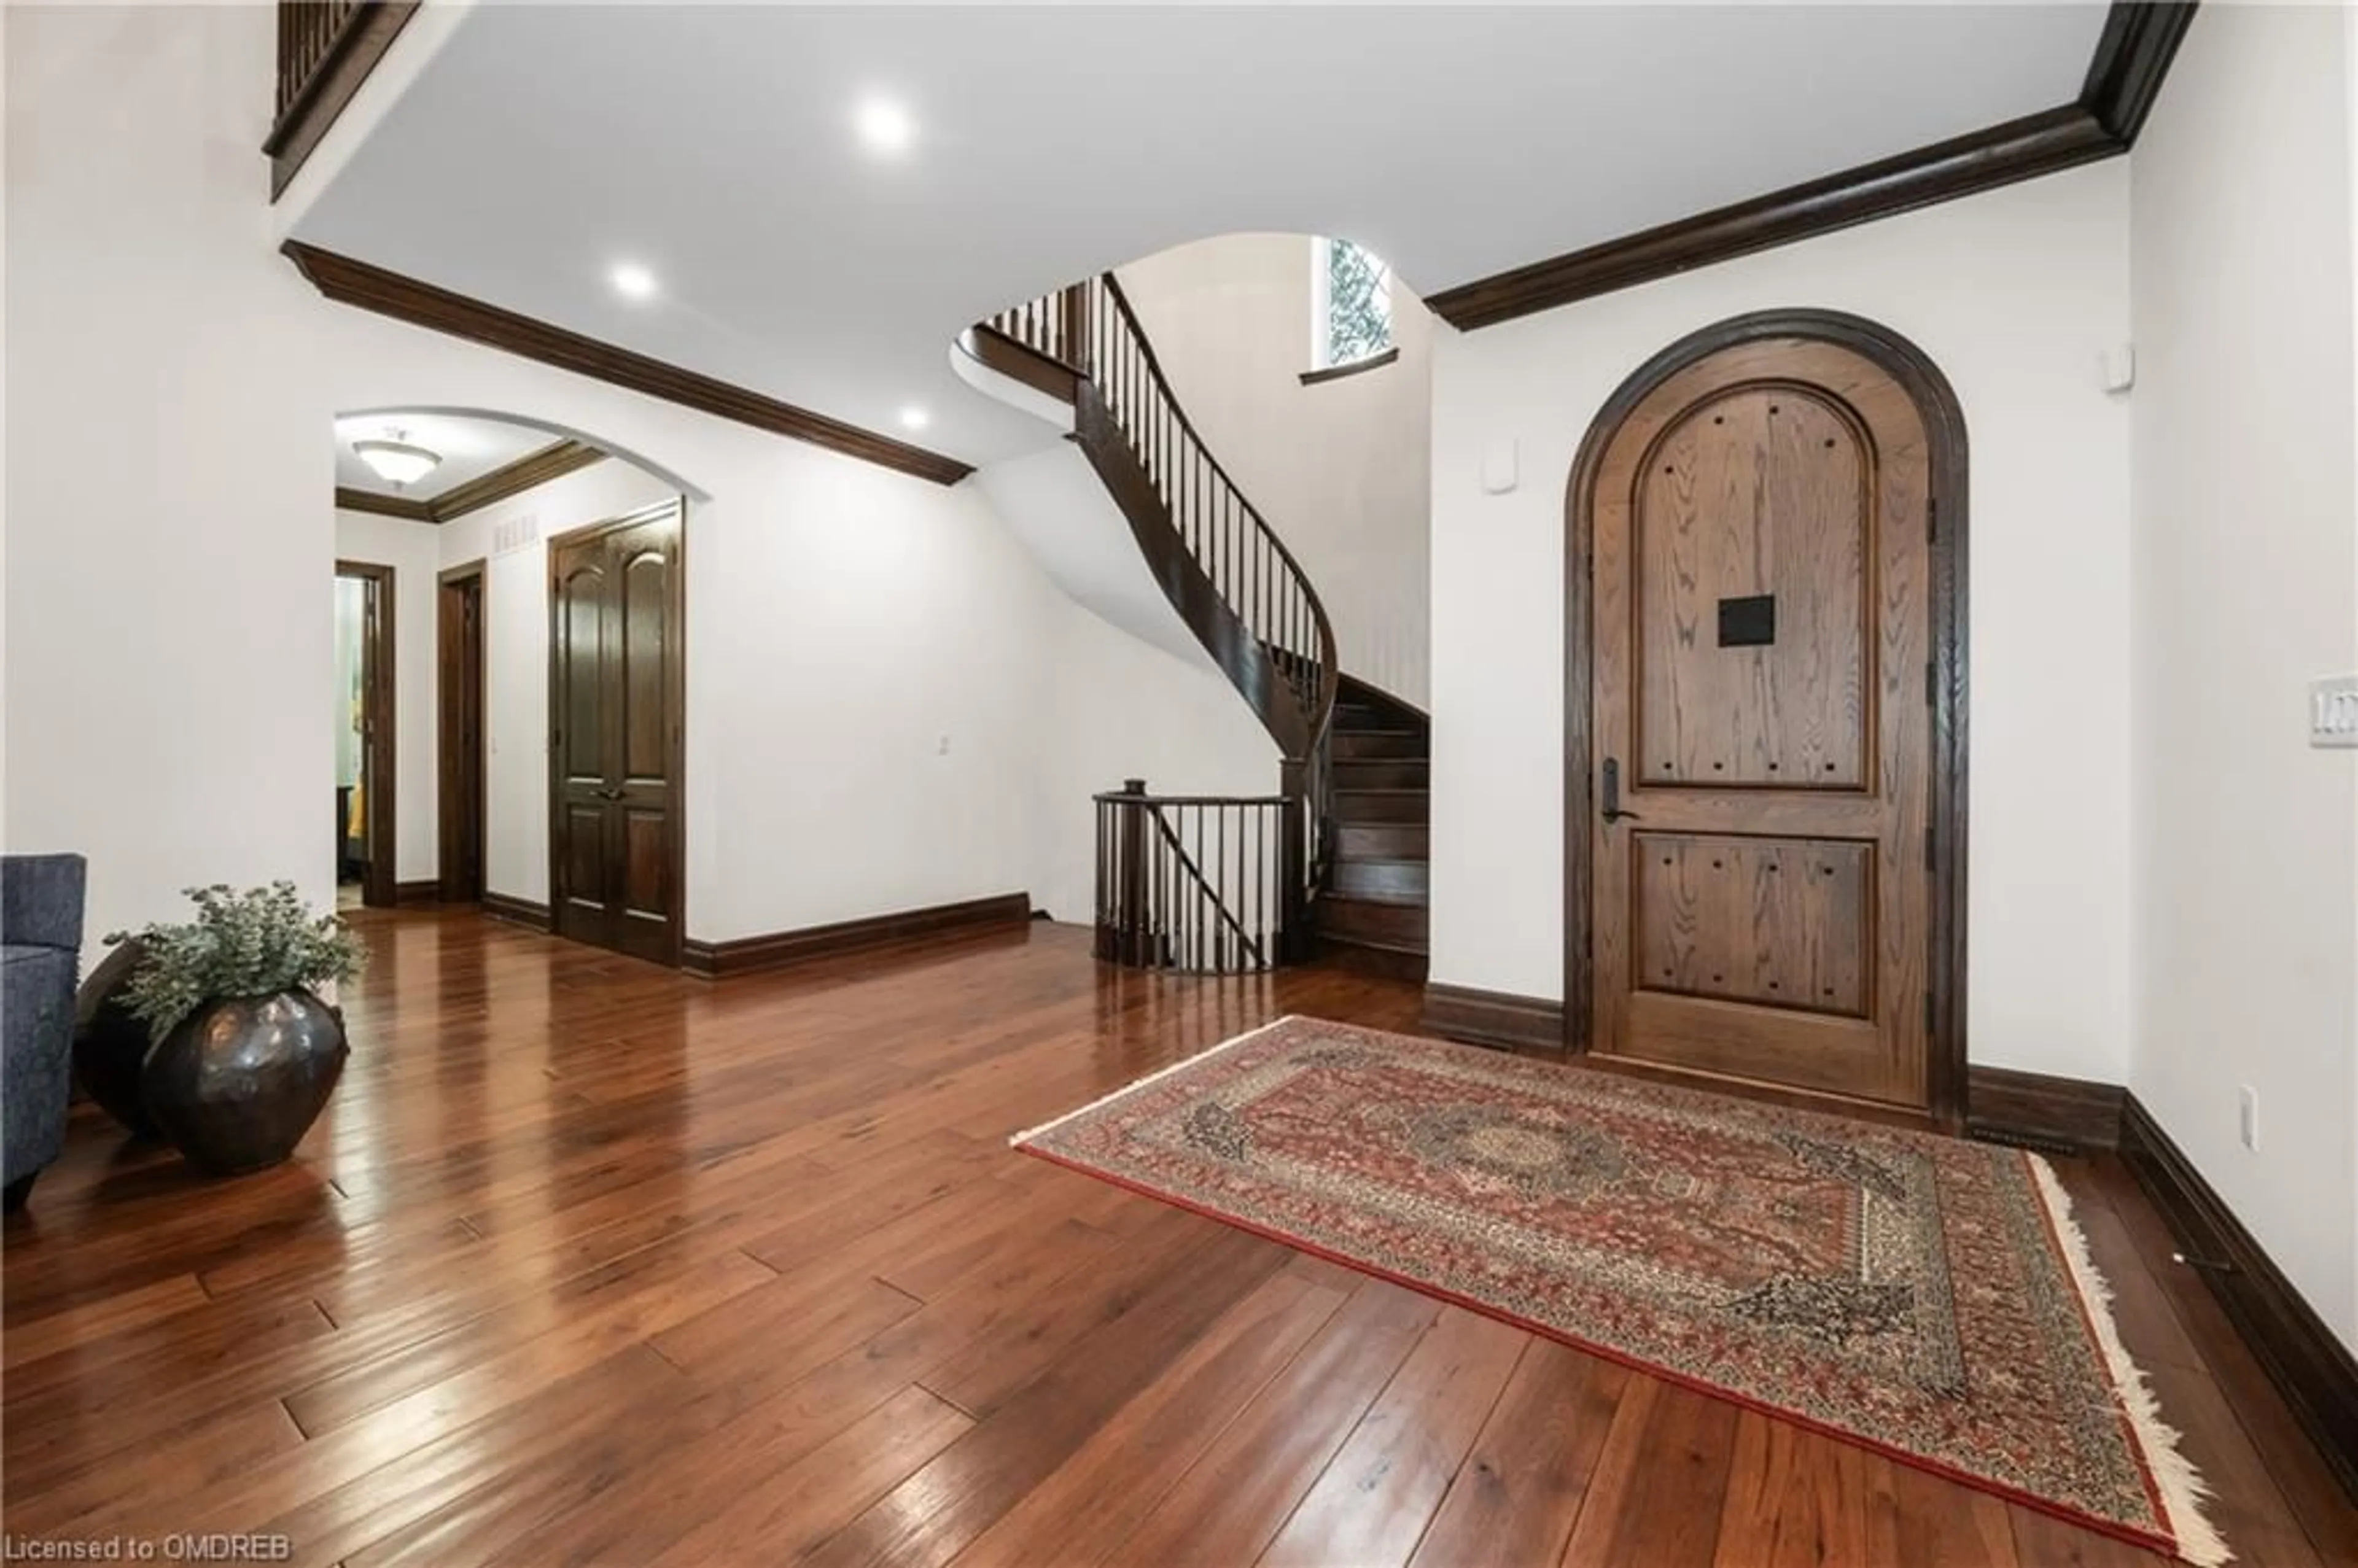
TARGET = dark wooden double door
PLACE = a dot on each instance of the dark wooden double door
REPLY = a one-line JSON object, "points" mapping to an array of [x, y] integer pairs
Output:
{"points": [[617, 623], [1761, 727]]}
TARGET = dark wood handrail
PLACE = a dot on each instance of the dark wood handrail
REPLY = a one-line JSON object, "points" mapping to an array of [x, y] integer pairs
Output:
{"points": [[326, 50], [1227, 572], [1331, 668], [312, 34], [1118, 797]]}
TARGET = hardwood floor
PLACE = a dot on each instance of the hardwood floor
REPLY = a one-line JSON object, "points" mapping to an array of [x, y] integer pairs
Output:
{"points": [[592, 1262]]}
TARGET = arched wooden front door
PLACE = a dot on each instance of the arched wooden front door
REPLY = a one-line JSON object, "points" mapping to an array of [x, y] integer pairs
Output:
{"points": [[1771, 684]]}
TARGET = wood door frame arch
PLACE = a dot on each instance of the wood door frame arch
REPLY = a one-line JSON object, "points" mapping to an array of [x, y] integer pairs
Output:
{"points": [[1944, 428]]}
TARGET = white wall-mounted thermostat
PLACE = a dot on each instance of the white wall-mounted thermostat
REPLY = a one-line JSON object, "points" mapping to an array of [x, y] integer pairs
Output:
{"points": [[2334, 711]]}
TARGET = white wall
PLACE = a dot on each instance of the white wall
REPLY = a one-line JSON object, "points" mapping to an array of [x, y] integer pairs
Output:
{"points": [[414, 551], [1117, 709], [169, 539], [2015, 294], [2246, 570], [175, 474], [515, 654], [1340, 469]]}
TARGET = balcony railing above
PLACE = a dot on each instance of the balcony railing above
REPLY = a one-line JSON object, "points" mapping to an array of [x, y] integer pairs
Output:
{"points": [[326, 50]]}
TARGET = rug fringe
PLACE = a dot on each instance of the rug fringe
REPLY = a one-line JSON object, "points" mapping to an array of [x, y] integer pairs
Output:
{"points": [[1029, 1133], [2182, 1485]]}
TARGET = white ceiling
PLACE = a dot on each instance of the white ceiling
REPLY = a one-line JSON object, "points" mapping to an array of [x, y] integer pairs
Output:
{"points": [[471, 448], [714, 144]]}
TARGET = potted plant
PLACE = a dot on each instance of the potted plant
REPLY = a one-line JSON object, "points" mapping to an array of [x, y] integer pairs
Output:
{"points": [[245, 1051]]}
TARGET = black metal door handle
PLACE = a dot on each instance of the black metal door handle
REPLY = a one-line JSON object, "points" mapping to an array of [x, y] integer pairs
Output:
{"points": [[609, 794], [1611, 794]]}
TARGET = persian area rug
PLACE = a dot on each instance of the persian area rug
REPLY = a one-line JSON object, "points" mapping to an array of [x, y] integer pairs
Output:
{"points": [[1923, 1297]]}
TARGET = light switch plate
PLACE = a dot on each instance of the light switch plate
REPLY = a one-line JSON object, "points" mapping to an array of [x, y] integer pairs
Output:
{"points": [[2334, 711], [1498, 475]]}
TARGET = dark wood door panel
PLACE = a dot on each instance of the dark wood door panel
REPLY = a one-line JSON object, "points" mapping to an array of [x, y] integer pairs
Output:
{"points": [[643, 640], [618, 696], [1735, 1040], [578, 648], [1750, 552], [1775, 922], [460, 729]]}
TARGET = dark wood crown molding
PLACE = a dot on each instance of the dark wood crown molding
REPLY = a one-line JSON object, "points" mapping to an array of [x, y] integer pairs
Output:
{"points": [[371, 287], [536, 467], [2132, 55], [407, 508], [552, 462]]}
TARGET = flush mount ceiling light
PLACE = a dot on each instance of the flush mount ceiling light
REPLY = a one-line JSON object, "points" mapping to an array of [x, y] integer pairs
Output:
{"points": [[914, 418], [395, 461], [885, 127]]}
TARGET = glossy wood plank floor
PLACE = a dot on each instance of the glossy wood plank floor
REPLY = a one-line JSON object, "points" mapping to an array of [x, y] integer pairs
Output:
{"points": [[594, 1263]]}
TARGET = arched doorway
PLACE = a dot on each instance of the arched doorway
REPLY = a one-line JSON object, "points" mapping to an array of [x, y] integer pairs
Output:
{"points": [[1765, 717]]}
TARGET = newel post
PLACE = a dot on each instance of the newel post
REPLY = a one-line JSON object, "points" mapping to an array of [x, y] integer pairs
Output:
{"points": [[1293, 859], [1130, 892]]}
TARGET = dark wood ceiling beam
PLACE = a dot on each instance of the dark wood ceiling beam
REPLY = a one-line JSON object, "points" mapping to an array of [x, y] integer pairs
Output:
{"points": [[2132, 54], [371, 287]]}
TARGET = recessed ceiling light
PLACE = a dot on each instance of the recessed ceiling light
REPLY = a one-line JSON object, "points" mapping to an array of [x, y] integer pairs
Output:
{"points": [[914, 418], [632, 281], [886, 126]]}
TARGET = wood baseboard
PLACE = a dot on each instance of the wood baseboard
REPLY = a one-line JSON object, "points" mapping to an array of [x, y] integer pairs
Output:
{"points": [[1495, 1018], [714, 960], [2308, 1363], [520, 911], [2039, 1110], [427, 892]]}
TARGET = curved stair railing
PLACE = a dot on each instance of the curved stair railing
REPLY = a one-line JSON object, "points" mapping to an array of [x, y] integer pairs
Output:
{"points": [[1222, 566]]}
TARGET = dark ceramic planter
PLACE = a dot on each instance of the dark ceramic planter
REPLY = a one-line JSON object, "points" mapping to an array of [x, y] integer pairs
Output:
{"points": [[238, 1082], [110, 1044]]}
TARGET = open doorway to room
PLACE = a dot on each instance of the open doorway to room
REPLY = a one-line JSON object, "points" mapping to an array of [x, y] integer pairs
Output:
{"points": [[539, 684], [365, 805]]}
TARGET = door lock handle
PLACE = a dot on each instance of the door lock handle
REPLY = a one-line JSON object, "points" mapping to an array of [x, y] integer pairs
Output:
{"points": [[609, 794], [1611, 794]]}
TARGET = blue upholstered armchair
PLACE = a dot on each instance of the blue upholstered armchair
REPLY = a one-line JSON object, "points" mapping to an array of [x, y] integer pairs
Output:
{"points": [[40, 938]]}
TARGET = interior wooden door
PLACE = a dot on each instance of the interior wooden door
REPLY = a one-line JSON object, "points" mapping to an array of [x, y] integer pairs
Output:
{"points": [[616, 706], [460, 678], [379, 890], [1761, 731]]}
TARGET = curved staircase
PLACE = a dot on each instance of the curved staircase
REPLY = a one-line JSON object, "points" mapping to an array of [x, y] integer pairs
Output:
{"points": [[1341, 864], [1373, 908]]}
